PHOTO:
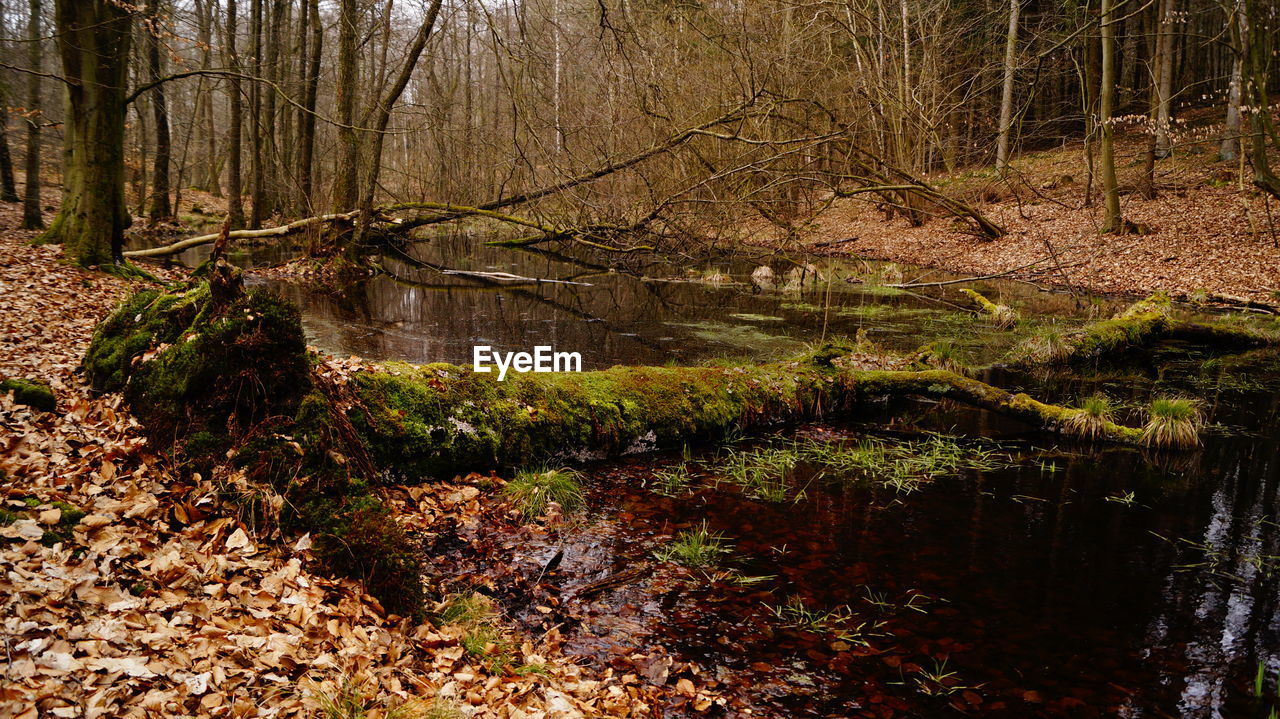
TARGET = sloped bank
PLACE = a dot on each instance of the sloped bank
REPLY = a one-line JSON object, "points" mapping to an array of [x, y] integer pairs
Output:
{"points": [[223, 378]]}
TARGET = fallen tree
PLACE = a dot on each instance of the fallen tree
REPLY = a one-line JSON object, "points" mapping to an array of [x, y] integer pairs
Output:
{"points": [[169, 353], [437, 420], [1141, 325]]}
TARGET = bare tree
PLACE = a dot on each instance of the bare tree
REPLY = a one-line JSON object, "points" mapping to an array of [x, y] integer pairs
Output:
{"points": [[1006, 94], [32, 218]]}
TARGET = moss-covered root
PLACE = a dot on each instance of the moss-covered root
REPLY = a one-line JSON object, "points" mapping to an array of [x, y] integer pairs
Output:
{"points": [[1004, 316], [980, 394], [438, 420], [224, 375], [32, 393], [1141, 325], [193, 362]]}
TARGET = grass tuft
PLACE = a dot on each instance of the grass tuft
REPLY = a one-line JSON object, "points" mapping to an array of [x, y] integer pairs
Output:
{"points": [[697, 548], [1047, 345], [672, 482], [533, 491], [349, 701], [1091, 418], [466, 610], [1175, 422], [945, 355]]}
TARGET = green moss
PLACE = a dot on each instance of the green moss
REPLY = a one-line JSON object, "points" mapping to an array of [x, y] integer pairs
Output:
{"points": [[230, 378], [437, 420], [32, 393], [147, 319], [191, 368]]}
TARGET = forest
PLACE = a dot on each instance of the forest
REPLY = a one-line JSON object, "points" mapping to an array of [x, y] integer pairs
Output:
{"points": [[912, 358]]}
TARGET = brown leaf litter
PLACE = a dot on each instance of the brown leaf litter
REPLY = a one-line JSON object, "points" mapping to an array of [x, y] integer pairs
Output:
{"points": [[160, 602]]}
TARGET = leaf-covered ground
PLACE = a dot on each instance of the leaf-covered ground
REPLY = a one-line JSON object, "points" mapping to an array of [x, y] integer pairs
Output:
{"points": [[130, 587], [1203, 233]]}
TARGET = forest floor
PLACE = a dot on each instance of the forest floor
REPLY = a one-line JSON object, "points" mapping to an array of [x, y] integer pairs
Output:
{"points": [[131, 587], [1208, 234]]}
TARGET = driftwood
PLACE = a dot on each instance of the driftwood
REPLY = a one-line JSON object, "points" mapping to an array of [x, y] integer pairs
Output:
{"points": [[613, 581]]}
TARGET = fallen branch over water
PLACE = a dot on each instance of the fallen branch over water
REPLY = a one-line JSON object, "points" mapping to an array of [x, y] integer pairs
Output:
{"points": [[290, 228]]}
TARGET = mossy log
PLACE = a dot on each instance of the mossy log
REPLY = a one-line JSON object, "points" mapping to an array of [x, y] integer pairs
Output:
{"points": [[1004, 316], [224, 376], [1143, 324], [437, 420], [30, 392]]}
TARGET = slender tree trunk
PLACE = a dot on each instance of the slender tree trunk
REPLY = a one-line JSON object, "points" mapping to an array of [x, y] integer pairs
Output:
{"points": [[346, 190], [1230, 148], [32, 219], [307, 118], [94, 39], [8, 187], [383, 117], [1129, 59], [1106, 98], [257, 191], [1259, 47], [208, 177], [1165, 79], [161, 209], [274, 21], [1006, 95], [235, 190]]}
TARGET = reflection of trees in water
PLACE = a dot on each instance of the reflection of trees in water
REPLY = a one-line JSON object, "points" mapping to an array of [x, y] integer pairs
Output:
{"points": [[1222, 615]]}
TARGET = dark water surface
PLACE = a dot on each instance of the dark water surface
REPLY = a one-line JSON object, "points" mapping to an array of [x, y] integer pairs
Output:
{"points": [[1080, 582], [640, 310]]}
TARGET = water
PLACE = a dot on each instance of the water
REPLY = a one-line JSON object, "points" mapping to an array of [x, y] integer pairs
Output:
{"points": [[1082, 582], [637, 310]]}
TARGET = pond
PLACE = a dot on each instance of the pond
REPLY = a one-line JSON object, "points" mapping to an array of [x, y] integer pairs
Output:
{"points": [[640, 310], [1045, 578]]}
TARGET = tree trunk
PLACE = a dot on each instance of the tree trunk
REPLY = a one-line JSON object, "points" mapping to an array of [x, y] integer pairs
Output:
{"points": [[256, 189], [235, 190], [8, 188], [307, 124], [32, 219], [1263, 129], [1006, 95], [1230, 148], [1106, 98], [161, 210], [383, 117], [94, 39], [1164, 83], [346, 190], [208, 175]]}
